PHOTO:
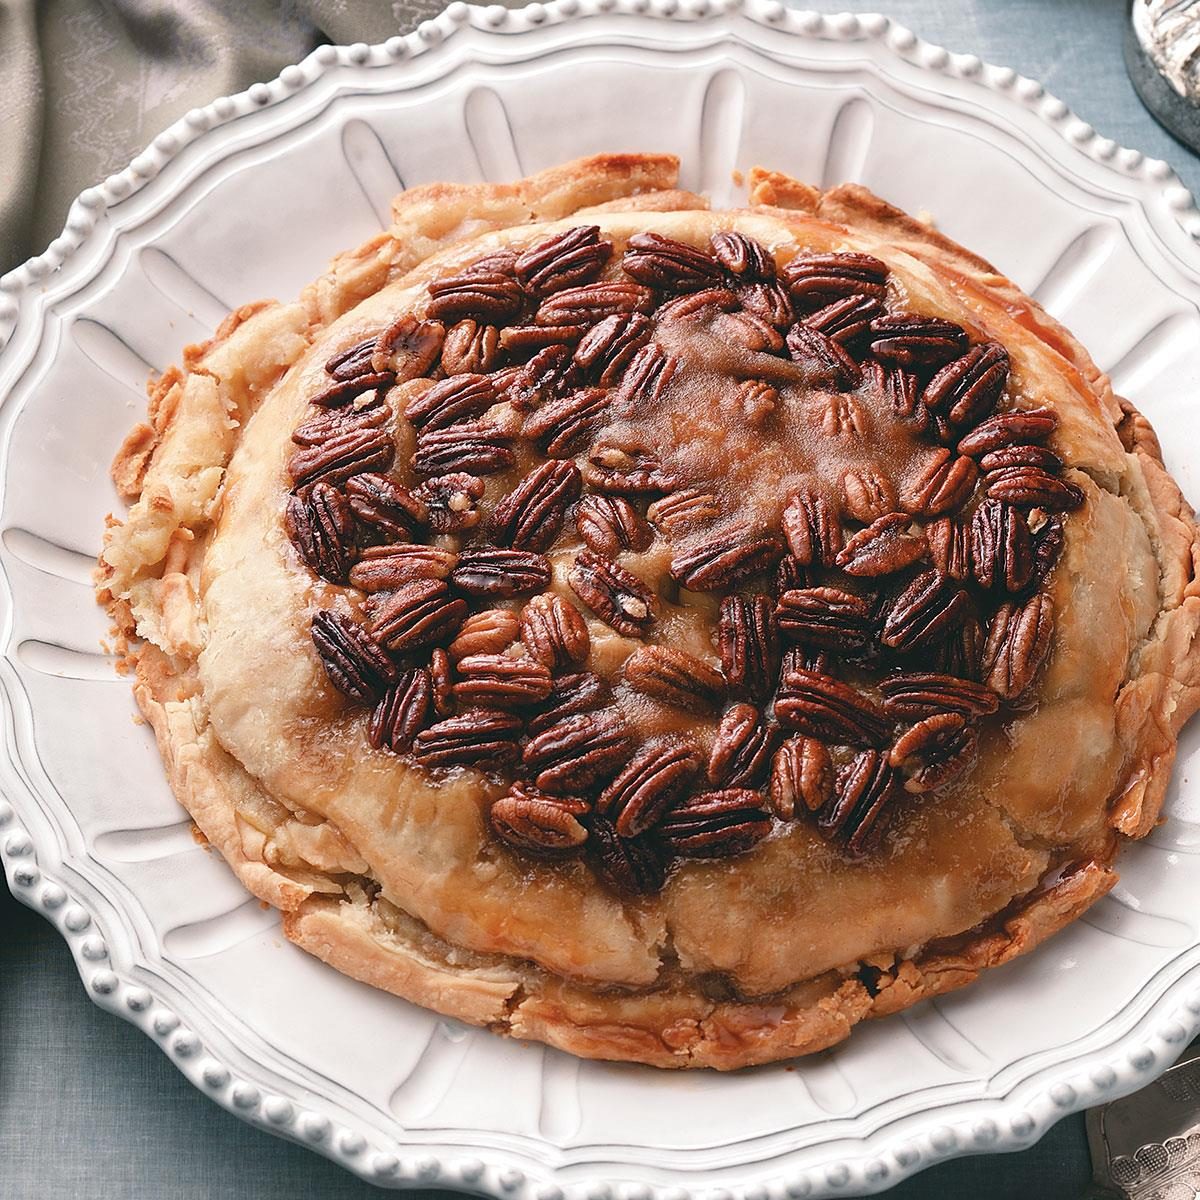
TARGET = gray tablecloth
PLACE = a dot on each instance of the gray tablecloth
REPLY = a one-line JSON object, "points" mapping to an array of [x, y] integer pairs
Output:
{"points": [[87, 1105]]}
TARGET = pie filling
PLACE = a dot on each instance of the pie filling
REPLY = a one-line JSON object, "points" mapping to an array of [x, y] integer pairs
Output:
{"points": [[676, 544]]}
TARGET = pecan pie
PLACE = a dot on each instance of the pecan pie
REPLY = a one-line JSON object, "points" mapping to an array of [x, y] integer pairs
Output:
{"points": [[668, 634]]}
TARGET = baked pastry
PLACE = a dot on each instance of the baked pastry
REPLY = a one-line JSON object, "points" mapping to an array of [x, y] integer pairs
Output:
{"points": [[667, 634]]}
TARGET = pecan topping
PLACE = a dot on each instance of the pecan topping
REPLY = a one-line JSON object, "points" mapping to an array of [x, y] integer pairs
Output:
{"points": [[1001, 548], [483, 738], [353, 361], [662, 262], [471, 349], [330, 422], [769, 301], [755, 400], [845, 320], [380, 568], [882, 548], [844, 417], [617, 596], [570, 696], [593, 302], [421, 613], [646, 379], [321, 528], [746, 329], [607, 349], [345, 394], [921, 694], [610, 524], [864, 789], [630, 866], [579, 753], [388, 509], [530, 516], [408, 347], [802, 777], [967, 389], [741, 752], [825, 362], [725, 558], [674, 677], [943, 483], [823, 707], [451, 401], [349, 452], [716, 824], [902, 391], [636, 471], [812, 529], [1014, 428], [928, 609], [1031, 487], [867, 495], [647, 786], [825, 617], [1017, 644], [474, 447], [354, 661], [402, 712], [567, 259], [542, 825], [554, 632], [500, 573], [745, 259], [934, 751], [451, 501], [497, 681], [908, 340], [749, 642], [477, 292], [487, 632], [816, 279], [950, 547]]}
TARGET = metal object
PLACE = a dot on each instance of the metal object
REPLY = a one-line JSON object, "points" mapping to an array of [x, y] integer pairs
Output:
{"points": [[1147, 1146], [1162, 55]]}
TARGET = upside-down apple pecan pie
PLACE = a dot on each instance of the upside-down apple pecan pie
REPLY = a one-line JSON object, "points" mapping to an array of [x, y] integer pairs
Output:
{"points": [[672, 635]]}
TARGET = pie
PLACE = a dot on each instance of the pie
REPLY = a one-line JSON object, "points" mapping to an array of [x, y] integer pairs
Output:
{"points": [[671, 635]]}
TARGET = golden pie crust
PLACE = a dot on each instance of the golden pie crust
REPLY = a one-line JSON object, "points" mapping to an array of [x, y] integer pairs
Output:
{"points": [[777, 953]]}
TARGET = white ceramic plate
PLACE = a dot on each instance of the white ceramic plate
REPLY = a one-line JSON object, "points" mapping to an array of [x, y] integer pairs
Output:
{"points": [[249, 197]]}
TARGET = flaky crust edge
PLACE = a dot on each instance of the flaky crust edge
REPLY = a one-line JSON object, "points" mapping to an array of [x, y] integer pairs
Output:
{"points": [[675, 1026]]}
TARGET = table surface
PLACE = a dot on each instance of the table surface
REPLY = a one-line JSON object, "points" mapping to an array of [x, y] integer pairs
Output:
{"points": [[87, 1104]]}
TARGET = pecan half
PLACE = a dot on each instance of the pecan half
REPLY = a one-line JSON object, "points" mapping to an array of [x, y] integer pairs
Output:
{"points": [[825, 617], [934, 751], [610, 524], [354, 661], [593, 302], [542, 825], [845, 320], [385, 507], [674, 514], [745, 259], [742, 750], [567, 259], [812, 529], [630, 866], [922, 694], [523, 341], [500, 573], [864, 789], [1017, 645], [901, 391], [451, 401], [882, 548], [667, 264], [349, 452], [554, 632], [490, 631], [474, 447], [824, 362], [546, 376], [402, 712], [908, 340], [441, 673], [560, 425], [408, 347], [633, 471], [1014, 428], [451, 501], [943, 483], [967, 389], [843, 417], [826, 708], [647, 786], [748, 638], [489, 295], [1001, 548], [791, 575], [816, 279], [646, 379], [321, 528], [329, 423], [755, 400], [802, 777], [579, 753], [716, 824], [1021, 455], [570, 696], [868, 494], [1047, 546], [421, 613], [531, 515], [617, 596], [928, 609], [345, 394], [724, 558], [353, 361], [471, 348], [381, 568], [674, 677], [961, 653], [949, 542], [498, 681], [607, 349], [1032, 487], [483, 738]]}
